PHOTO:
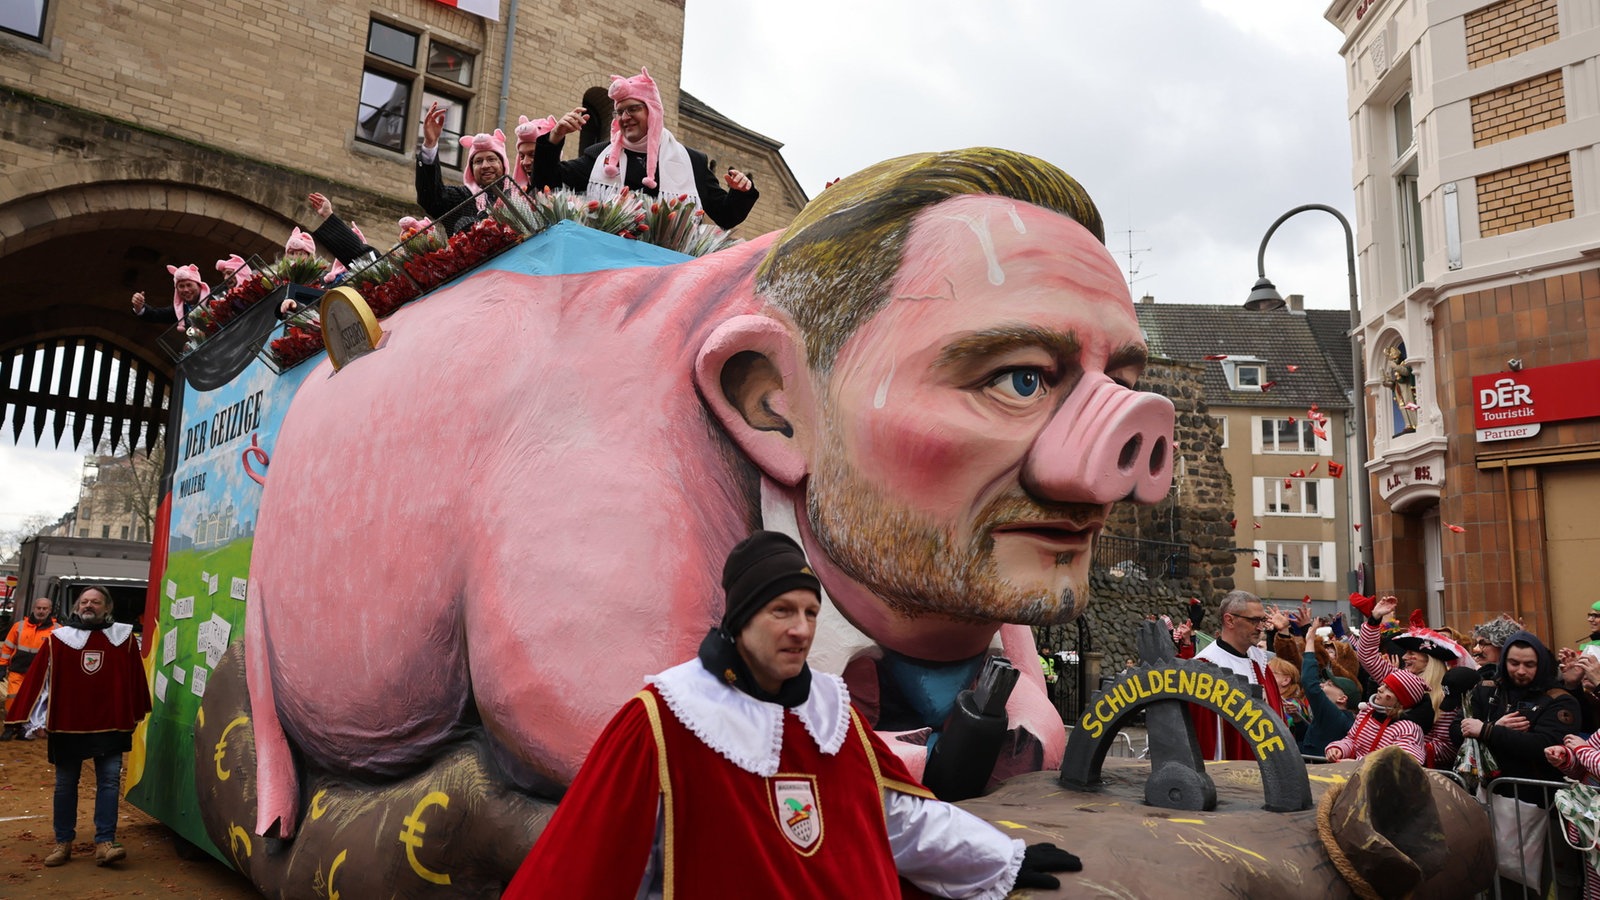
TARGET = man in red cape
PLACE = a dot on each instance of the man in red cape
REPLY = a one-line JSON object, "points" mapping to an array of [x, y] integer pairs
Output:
{"points": [[88, 690], [742, 773], [1243, 617]]}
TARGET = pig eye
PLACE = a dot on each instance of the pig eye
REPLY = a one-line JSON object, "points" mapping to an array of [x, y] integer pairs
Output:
{"points": [[1022, 384]]}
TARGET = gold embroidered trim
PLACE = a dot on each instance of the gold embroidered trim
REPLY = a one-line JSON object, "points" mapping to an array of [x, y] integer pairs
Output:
{"points": [[662, 773]]}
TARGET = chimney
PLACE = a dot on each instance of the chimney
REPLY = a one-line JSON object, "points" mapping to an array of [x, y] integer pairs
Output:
{"points": [[1148, 298], [1297, 303]]}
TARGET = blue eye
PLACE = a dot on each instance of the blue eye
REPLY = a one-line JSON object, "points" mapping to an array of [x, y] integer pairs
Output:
{"points": [[1026, 382], [1020, 384]]}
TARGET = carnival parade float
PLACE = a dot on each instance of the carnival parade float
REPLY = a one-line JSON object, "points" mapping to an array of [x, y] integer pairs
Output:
{"points": [[425, 536]]}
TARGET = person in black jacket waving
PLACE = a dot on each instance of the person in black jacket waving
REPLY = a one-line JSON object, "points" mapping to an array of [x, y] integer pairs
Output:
{"points": [[643, 155], [486, 164]]}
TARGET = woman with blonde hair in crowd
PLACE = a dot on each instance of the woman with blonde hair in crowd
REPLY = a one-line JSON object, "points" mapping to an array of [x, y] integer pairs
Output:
{"points": [[1425, 653]]}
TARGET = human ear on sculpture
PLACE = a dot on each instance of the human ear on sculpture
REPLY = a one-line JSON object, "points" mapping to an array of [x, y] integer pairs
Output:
{"points": [[751, 374]]}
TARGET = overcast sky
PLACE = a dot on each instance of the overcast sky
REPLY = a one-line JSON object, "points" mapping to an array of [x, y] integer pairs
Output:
{"points": [[1193, 124]]}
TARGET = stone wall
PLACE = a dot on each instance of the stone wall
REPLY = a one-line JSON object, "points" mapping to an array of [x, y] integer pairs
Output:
{"points": [[1195, 512], [279, 82]]}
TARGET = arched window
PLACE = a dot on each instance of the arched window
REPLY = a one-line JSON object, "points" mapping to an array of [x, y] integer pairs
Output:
{"points": [[598, 103]]}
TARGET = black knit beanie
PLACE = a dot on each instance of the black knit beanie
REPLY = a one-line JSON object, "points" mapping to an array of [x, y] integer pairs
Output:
{"points": [[762, 566]]}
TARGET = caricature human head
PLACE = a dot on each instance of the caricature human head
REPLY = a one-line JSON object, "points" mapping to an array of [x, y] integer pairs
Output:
{"points": [[947, 338]]}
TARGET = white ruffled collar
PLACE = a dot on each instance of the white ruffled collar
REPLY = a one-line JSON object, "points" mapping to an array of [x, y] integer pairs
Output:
{"points": [[77, 637], [749, 732]]}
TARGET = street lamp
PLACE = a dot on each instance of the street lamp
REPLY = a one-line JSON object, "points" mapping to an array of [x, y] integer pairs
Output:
{"points": [[1264, 296]]}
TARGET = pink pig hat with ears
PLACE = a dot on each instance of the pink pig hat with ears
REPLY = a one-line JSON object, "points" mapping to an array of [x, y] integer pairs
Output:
{"points": [[528, 131], [190, 272], [234, 268], [479, 143], [640, 87], [410, 226], [299, 240]]}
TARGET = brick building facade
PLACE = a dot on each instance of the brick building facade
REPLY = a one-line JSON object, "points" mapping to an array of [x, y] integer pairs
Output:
{"points": [[133, 135], [1475, 127]]}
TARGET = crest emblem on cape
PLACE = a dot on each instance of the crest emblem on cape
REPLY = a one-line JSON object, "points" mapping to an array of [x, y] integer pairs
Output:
{"points": [[92, 660], [794, 802]]}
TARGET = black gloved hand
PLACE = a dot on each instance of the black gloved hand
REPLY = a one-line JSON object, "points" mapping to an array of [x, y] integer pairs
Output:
{"points": [[1041, 858], [1197, 613], [1458, 682]]}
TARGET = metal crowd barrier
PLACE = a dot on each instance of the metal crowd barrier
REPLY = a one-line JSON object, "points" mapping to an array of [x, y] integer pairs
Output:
{"points": [[1525, 804], [1122, 747]]}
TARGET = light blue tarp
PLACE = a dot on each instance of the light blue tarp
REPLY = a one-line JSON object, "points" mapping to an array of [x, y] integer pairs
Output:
{"points": [[569, 248]]}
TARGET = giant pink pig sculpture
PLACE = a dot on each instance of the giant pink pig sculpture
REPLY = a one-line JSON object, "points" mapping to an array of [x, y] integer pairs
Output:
{"points": [[522, 500]]}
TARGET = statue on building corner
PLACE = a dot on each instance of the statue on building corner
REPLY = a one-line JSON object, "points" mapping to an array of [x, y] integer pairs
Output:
{"points": [[1401, 381]]}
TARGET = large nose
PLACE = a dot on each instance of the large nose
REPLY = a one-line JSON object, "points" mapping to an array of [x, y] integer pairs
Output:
{"points": [[1106, 443]]}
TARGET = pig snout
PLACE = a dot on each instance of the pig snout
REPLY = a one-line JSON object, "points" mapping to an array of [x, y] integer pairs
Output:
{"points": [[1106, 443]]}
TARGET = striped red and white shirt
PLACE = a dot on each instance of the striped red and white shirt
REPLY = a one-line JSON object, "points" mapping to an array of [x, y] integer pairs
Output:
{"points": [[1370, 733]]}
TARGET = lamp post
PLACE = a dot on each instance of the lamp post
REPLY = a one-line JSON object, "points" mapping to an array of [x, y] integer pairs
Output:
{"points": [[1264, 296]]}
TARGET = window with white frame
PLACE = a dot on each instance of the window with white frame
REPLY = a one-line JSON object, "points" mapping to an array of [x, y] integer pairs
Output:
{"points": [[1297, 560], [1222, 422], [1287, 434], [1408, 199], [1244, 373], [402, 63], [1307, 497]]}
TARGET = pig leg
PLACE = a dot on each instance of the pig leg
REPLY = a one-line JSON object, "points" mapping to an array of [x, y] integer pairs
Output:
{"points": [[277, 782], [1029, 707]]}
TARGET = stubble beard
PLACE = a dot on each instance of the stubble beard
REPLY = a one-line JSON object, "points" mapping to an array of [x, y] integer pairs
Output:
{"points": [[916, 566]]}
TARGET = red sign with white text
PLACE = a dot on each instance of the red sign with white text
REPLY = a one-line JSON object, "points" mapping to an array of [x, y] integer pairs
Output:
{"points": [[1545, 394]]}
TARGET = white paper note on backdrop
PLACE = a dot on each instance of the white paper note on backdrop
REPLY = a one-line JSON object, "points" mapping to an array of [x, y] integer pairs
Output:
{"points": [[177, 675], [205, 577], [161, 687], [198, 684], [211, 584], [169, 647], [183, 608], [220, 630], [172, 590], [202, 638], [240, 586], [214, 652]]}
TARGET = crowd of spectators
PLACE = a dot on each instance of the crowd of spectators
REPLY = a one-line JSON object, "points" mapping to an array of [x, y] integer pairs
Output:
{"points": [[1494, 704]]}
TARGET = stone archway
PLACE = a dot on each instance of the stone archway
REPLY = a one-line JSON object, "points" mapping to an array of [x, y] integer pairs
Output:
{"points": [[70, 258]]}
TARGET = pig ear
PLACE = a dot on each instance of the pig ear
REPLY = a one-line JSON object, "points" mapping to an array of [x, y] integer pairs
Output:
{"points": [[751, 373]]}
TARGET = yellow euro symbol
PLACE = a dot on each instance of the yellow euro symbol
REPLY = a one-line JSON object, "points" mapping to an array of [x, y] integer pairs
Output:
{"points": [[411, 835], [317, 806], [236, 836], [222, 747], [337, 862]]}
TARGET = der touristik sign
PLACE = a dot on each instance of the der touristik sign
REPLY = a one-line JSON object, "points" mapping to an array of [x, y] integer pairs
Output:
{"points": [[1511, 405]]}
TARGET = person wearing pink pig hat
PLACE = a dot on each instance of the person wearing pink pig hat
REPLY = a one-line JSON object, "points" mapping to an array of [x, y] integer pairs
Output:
{"points": [[641, 154]]}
